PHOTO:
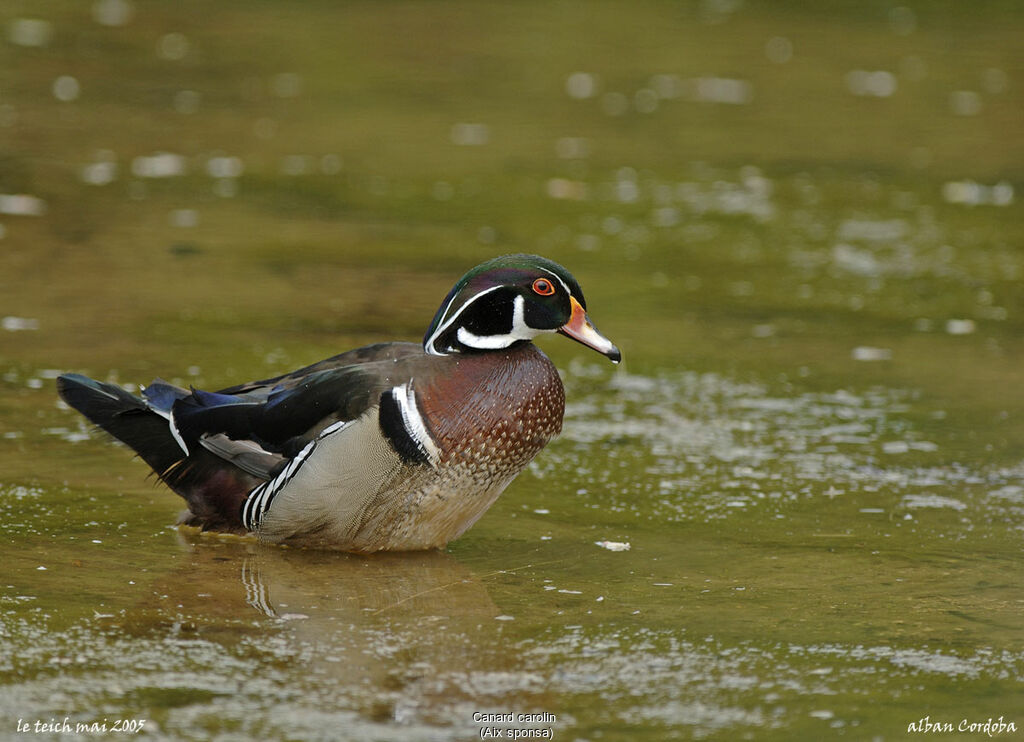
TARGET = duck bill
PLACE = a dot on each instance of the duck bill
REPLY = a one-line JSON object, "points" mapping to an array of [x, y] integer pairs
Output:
{"points": [[580, 329]]}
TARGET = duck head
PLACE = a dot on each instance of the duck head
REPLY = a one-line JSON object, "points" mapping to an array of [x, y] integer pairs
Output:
{"points": [[509, 300]]}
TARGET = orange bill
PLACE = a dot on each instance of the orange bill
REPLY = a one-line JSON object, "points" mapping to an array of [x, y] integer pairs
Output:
{"points": [[580, 328]]}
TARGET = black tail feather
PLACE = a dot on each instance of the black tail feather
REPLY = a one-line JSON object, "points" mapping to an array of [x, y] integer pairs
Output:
{"points": [[124, 416], [213, 488]]}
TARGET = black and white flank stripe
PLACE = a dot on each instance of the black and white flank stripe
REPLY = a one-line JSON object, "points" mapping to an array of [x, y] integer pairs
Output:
{"points": [[402, 425], [259, 500]]}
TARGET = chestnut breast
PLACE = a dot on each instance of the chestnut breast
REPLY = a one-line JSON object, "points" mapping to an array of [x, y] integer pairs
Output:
{"points": [[492, 412]]}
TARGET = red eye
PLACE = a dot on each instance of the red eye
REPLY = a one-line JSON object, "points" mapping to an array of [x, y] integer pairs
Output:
{"points": [[543, 287]]}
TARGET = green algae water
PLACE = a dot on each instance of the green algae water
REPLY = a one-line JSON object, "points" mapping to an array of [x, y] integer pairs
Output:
{"points": [[796, 510]]}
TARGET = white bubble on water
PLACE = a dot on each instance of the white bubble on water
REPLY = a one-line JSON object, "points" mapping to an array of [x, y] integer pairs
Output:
{"points": [[21, 204], [102, 169], [158, 165], [286, 85], [873, 84], [1001, 194], [970, 193], [960, 326], [566, 189], [264, 128], [173, 46], [873, 230], [29, 32], [612, 225], [932, 501], [645, 100], [66, 88], [99, 173], [726, 90], [994, 80], [581, 85], [330, 164], [184, 218], [19, 324], [1011, 492], [442, 190], [902, 20], [112, 12], [778, 50], [868, 353], [568, 148], [296, 165], [614, 104], [665, 216], [965, 102], [627, 191], [667, 86], [470, 134], [486, 235], [186, 101], [913, 68], [223, 166]]}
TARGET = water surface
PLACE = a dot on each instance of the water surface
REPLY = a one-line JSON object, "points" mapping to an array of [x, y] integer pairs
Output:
{"points": [[802, 226]]}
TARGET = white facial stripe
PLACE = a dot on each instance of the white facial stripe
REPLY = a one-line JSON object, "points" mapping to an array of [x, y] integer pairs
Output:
{"points": [[557, 278], [520, 331], [413, 421], [429, 345]]}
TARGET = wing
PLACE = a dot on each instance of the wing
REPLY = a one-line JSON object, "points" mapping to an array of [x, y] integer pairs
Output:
{"points": [[378, 353], [262, 425], [282, 422]]}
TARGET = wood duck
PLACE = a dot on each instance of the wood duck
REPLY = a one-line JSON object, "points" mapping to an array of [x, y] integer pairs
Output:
{"points": [[394, 446]]}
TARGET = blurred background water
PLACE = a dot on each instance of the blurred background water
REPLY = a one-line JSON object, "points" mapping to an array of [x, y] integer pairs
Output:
{"points": [[802, 225]]}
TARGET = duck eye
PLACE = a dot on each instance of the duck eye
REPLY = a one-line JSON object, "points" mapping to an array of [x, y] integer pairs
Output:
{"points": [[543, 287]]}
